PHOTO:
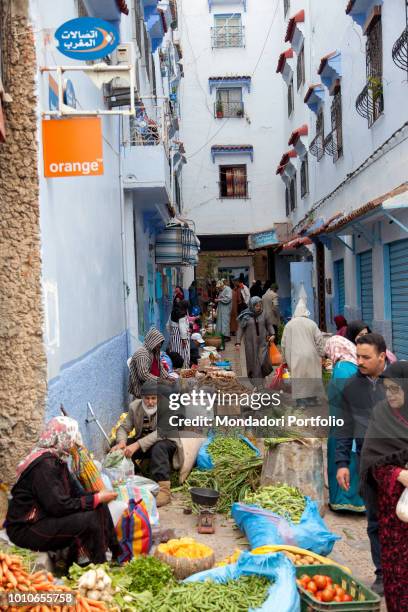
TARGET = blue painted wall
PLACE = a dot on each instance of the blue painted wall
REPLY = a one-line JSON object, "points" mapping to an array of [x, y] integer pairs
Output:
{"points": [[99, 377]]}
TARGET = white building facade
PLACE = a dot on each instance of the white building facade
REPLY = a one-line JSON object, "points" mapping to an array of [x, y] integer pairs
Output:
{"points": [[231, 126], [343, 71]]}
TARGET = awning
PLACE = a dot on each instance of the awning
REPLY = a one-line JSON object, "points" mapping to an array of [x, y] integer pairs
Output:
{"points": [[232, 150], [293, 34], [330, 70], [293, 244], [284, 67], [177, 244], [298, 139], [314, 97], [286, 160], [360, 10], [229, 81]]}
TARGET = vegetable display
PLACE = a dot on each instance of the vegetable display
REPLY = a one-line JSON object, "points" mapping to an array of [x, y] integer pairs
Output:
{"points": [[113, 459], [247, 592], [96, 585], [185, 547], [222, 447], [282, 499], [321, 588], [233, 558], [233, 479]]}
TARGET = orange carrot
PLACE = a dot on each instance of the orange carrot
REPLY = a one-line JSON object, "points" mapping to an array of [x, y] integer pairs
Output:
{"points": [[50, 577]]}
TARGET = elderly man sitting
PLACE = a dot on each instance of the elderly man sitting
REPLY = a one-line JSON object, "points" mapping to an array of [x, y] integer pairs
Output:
{"points": [[161, 452]]}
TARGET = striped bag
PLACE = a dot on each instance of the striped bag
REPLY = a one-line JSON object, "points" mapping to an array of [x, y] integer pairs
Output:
{"points": [[134, 531], [86, 470]]}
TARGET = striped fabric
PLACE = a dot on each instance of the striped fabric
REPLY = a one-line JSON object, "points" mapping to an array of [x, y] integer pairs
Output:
{"points": [[134, 531], [176, 344], [86, 470]]}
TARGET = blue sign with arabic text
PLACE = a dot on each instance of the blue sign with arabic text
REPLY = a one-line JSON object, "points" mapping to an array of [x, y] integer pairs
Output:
{"points": [[87, 38]]}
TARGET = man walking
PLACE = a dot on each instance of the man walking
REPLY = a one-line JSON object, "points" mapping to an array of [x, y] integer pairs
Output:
{"points": [[271, 306], [360, 396]]}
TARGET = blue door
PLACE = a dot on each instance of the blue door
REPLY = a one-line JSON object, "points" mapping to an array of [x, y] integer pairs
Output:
{"points": [[301, 281], [398, 255], [339, 288], [365, 270]]}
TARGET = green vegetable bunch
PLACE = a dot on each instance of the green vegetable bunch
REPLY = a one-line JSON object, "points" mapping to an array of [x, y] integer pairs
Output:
{"points": [[282, 499], [113, 459], [247, 592], [222, 447]]}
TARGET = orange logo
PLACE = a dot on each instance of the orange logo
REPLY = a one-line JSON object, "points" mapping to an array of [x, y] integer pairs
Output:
{"points": [[72, 147]]}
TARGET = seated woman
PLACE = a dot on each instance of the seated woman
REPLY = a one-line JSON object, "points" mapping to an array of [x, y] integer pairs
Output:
{"points": [[384, 475], [49, 510]]}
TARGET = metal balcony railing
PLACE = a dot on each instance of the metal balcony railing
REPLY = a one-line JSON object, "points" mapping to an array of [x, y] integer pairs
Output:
{"points": [[238, 190], [317, 146], [150, 128], [370, 102], [228, 109], [227, 36], [400, 51]]}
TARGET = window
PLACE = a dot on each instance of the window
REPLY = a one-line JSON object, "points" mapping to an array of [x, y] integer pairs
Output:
{"points": [[300, 68], [304, 177], [286, 6], [229, 103], [227, 31], [291, 101], [317, 145], [287, 200], [233, 182], [374, 70], [336, 124], [292, 192]]}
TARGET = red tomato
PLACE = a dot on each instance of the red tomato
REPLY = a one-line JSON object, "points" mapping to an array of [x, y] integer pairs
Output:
{"points": [[329, 580], [337, 598], [312, 587], [339, 590], [318, 596], [305, 578], [321, 582], [347, 597], [328, 594]]}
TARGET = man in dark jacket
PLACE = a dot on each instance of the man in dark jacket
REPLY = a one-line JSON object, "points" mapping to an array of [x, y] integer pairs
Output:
{"points": [[360, 395]]}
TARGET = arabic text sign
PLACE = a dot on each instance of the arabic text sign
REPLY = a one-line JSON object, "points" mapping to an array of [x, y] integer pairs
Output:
{"points": [[262, 239], [87, 38], [72, 147]]}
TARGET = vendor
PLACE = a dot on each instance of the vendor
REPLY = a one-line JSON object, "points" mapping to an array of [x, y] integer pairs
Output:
{"points": [[197, 342], [161, 452], [145, 364], [49, 510]]}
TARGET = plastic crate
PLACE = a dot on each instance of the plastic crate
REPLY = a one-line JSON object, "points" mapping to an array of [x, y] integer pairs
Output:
{"points": [[365, 600]]}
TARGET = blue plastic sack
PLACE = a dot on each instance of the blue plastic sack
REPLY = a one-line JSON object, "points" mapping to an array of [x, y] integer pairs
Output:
{"points": [[282, 594], [263, 527], [204, 460]]}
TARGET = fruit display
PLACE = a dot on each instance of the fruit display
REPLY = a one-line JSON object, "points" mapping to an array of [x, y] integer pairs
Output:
{"points": [[185, 547], [322, 588]]}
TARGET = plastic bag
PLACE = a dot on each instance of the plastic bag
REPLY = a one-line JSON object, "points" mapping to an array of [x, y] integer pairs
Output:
{"points": [[129, 490], [282, 594], [278, 380], [274, 354], [121, 471], [141, 481], [204, 460], [402, 507], [266, 363], [263, 527]]}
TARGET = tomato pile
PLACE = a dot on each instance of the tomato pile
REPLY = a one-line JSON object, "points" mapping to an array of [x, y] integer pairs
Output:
{"points": [[322, 588]]}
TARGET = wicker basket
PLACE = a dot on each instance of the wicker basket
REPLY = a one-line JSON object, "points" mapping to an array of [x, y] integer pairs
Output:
{"points": [[183, 567], [214, 341], [3, 506]]}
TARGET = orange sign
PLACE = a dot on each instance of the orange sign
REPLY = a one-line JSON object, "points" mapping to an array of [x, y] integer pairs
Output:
{"points": [[72, 147]]}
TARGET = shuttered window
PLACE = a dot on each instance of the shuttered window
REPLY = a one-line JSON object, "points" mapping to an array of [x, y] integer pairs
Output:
{"points": [[366, 286], [339, 286], [399, 297]]}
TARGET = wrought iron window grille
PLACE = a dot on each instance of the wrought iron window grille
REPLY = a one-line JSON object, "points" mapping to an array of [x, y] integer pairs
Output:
{"points": [[370, 101], [300, 69], [317, 146], [337, 127], [292, 193], [400, 48], [291, 98], [304, 177], [227, 36]]}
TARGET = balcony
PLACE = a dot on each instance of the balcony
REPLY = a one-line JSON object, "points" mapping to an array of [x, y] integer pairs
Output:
{"points": [[370, 102], [229, 110], [317, 146], [235, 191], [400, 51], [146, 165], [223, 37]]}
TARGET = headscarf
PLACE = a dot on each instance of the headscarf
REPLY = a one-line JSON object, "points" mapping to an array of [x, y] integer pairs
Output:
{"points": [[179, 310], [340, 322], [341, 349], [60, 435], [249, 312], [301, 309], [354, 328], [386, 440]]}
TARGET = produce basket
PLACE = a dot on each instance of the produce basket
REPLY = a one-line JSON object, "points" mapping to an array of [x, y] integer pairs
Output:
{"points": [[364, 599], [184, 566], [213, 341]]}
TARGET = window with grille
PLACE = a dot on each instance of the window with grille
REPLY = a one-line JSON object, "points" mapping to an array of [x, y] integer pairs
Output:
{"points": [[336, 125], [291, 100], [300, 68], [292, 192], [318, 142], [229, 102], [304, 177], [233, 182], [374, 67], [286, 6], [287, 200], [227, 31]]}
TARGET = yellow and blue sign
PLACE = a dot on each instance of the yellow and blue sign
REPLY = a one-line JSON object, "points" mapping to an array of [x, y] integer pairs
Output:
{"points": [[87, 38]]}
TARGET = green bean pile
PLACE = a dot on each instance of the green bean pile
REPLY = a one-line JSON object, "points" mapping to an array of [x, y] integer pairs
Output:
{"points": [[233, 596], [222, 447], [282, 499], [234, 480]]}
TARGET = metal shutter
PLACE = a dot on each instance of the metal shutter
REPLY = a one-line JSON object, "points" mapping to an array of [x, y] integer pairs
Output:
{"points": [[339, 286], [366, 286], [399, 297]]}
